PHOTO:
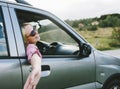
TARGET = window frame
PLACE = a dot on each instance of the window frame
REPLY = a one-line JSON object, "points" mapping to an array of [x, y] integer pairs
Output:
{"points": [[59, 29], [55, 20], [9, 33]]}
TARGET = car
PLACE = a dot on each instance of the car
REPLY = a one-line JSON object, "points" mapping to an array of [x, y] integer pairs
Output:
{"points": [[69, 61]]}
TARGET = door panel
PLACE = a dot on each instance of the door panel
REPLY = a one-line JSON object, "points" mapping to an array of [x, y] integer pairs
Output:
{"points": [[85, 86], [10, 74], [63, 73]]}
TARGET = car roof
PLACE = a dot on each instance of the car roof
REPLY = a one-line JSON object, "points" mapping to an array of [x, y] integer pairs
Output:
{"points": [[7, 1], [14, 2]]}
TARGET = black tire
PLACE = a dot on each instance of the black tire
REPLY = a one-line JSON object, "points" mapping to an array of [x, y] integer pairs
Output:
{"points": [[114, 84]]}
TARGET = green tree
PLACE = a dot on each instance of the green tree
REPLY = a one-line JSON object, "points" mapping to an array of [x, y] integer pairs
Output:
{"points": [[115, 37], [75, 24], [116, 33], [110, 21]]}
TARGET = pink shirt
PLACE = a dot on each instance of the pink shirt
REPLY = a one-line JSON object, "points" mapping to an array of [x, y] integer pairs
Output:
{"points": [[32, 49]]}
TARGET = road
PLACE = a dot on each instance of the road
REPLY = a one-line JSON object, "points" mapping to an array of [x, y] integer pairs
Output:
{"points": [[113, 52]]}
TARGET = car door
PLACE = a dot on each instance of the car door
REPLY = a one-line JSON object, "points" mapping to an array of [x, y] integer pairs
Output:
{"points": [[10, 70], [67, 69], [62, 66]]}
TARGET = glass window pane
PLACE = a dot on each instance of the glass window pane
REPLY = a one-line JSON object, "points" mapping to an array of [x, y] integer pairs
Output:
{"points": [[3, 45], [50, 32]]}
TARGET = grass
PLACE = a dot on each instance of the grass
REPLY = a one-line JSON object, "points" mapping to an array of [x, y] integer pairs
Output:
{"points": [[100, 39]]}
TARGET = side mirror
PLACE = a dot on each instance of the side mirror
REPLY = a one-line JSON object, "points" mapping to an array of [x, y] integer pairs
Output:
{"points": [[85, 50]]}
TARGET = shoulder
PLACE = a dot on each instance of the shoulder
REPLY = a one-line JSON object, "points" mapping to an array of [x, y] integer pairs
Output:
{"points": [[31, 46], [31, 50]]}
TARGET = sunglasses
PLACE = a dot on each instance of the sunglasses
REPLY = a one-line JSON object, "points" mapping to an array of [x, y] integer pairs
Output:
{"points": [[33, 32]]}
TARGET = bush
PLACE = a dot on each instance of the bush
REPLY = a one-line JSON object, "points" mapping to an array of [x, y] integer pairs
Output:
{"points": [[92, 27], [115, 37], [89, 28], [116, 34], [114, 43]]}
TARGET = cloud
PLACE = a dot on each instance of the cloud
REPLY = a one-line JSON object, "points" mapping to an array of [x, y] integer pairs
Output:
{"points": [[76, 9]]}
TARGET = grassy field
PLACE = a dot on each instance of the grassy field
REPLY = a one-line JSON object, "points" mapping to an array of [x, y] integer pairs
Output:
{"points": [[100, 38]]}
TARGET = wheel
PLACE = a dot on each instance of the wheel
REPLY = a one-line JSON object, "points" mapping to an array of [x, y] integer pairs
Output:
{"points": [[114, 84], [42, 46]]}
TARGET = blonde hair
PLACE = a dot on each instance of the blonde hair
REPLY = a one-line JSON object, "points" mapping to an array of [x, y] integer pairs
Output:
{"points": [[23, 31]]}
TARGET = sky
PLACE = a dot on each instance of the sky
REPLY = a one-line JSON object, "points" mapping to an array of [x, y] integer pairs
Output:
{"points": [[78, 9]]}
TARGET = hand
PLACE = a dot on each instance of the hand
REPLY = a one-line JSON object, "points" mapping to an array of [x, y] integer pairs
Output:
{"points": [[33, 79]]}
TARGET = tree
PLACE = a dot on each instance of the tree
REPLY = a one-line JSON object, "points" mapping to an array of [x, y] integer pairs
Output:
{"points": [[116, 33], [110, 21], [115, 37]]}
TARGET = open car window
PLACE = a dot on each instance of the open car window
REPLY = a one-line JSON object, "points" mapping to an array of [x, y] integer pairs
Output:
{"points": [[50, 32], [54, 40]]}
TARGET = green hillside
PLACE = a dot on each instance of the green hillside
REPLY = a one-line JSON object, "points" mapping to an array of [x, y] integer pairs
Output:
{"points": [[103, 32]]}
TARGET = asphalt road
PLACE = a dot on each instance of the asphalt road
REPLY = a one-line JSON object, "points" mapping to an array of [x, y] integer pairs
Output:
{"points": [[113, 52]]}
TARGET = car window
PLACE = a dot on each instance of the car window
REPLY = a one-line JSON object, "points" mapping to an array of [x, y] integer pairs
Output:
{"points": [[54, 40], [3, 44], [50, 32]]}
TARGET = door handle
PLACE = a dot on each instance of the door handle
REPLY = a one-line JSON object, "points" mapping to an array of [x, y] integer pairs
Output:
{"points": [[45, 68], [45, 71]]}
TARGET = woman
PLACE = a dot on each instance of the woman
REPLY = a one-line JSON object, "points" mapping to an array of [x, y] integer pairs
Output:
{"points": [[31, 36]]}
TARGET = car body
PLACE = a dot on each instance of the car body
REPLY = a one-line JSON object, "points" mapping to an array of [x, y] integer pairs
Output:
{"points": [[69, 61]]}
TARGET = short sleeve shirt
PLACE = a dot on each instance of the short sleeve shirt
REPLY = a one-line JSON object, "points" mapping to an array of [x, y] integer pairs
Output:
{"points": [[32, 49]]}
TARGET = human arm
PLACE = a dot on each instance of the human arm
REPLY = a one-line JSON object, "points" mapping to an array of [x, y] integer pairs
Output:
{"points": [[34, 76]]}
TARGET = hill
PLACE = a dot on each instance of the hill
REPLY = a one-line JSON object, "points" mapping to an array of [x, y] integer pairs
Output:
{"points": [[102, 32]]}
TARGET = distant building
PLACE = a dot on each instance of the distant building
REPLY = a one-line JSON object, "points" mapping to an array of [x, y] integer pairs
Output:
{"points": [[95, 23]]}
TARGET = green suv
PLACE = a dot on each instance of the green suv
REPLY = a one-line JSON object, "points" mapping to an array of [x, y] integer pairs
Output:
{"points": [[69, 61]]}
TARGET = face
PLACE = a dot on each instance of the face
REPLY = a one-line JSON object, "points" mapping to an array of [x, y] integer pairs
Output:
{"points": [[31, 34]]}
